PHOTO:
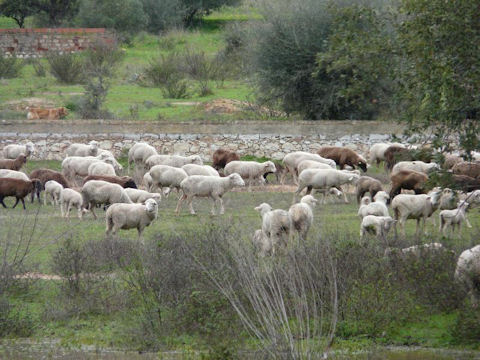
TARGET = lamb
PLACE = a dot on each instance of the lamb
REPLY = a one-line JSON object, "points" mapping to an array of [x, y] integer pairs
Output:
{"points": [[324, 179], [377, 151], [53, 189], [172, 160], [418, 166], [377, 225], [45, 175], [101, 168], [276, 225], [207, 186], [467, 168], [368, 184], [102, 192], [377, 208], [262, 243], [408, 180], [140, 196], [467, 273], [167, 176], [292, 160], [13, 151], [123, 181], [301, 215], [18, 188], [194, 169], [447, 201], [343, 156], [71, 198], [12, 174], [83, 150], [130, 216], [452, 218], [251, 170], [13, 164], [222, 157], [406, 206]]}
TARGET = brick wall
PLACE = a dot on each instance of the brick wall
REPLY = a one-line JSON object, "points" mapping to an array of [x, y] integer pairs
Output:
{"points": [[31, 43]]}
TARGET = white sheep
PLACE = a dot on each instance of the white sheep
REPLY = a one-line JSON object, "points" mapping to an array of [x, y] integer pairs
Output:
{"points": [[377, 151], [12, 174], [292, 160], [207, 186], [467, 273], [378, 207], [262, 243], [13, 151], [53, 189], [139, 153], [194, 169], [377, 225], [172, 160], [83, 150], [301, 215], [418, 166], [324, 179], [417, 250], [250, 170], [70, 198], [167, 176], [101, 168], [419, 207], [130, 216], [148, 181], [140, 196], [473, 198], [325, 193], [311, 164], [107, 157], [276, 225], [74, 166], [452, 218], [101, 192]]}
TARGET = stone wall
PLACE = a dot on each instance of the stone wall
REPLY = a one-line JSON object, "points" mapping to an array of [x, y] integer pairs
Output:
{"points": [[28, 43], [53, 145]]}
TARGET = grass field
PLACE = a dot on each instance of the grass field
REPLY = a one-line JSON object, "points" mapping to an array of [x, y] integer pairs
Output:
{"points": [[127, 98]]}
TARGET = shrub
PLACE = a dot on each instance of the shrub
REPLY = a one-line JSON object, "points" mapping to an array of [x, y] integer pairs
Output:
{"points": [[39, 68], [10, 67], [166, 72], [163, 15], [66, 68]]}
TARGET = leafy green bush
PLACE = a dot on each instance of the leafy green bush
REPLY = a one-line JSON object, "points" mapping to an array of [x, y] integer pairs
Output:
{"points": [[10, 67], [166, 72], [66, 68]]}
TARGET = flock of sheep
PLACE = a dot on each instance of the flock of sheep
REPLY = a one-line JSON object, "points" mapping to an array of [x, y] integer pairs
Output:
{"points": [[89, 179]]}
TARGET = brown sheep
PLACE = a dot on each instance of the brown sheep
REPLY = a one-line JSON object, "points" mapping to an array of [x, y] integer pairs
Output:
{"points": [[343, 156], [395, 154], [451, 161], [368, 184], [391, 155], [45, 175], [123, 181], [408, 180], [465, 183], [13, 164], [18, 188], [467, 168], [222, 157]]}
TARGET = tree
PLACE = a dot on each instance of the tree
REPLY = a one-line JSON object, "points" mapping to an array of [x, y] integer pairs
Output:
{"points": [[440, 41], [57, 11], [197, 8], [18, 10]]}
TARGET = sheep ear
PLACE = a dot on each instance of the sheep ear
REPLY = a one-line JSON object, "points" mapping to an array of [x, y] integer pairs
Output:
{"points": [[257, 208]]}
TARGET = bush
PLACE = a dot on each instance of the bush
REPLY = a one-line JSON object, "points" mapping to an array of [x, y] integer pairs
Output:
{"points": [[166, 72], [126, 16], [14, 321], [163, 15], [10, 67], [66, 68], [39, 68]]}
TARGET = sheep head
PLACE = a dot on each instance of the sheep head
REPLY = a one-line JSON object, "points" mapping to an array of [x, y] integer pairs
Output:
{"points": [[269, 166], [310, 200], [362, 164], [263, 208], [152, 207], [381, 196], [236, 180], [195, 159], [365, 201]]}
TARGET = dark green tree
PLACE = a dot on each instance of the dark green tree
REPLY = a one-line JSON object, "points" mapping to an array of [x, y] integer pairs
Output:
{"points": [[18, 10], [440, 93], [57, 11], [197, 8]]}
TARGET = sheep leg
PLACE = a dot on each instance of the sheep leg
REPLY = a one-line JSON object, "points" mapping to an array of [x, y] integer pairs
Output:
{"points": [[344, 195], [91, 207], [214, 199], [16, 202], [467, 222], [222, 209], [1, 202], [179, 204], [140, 234]]}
